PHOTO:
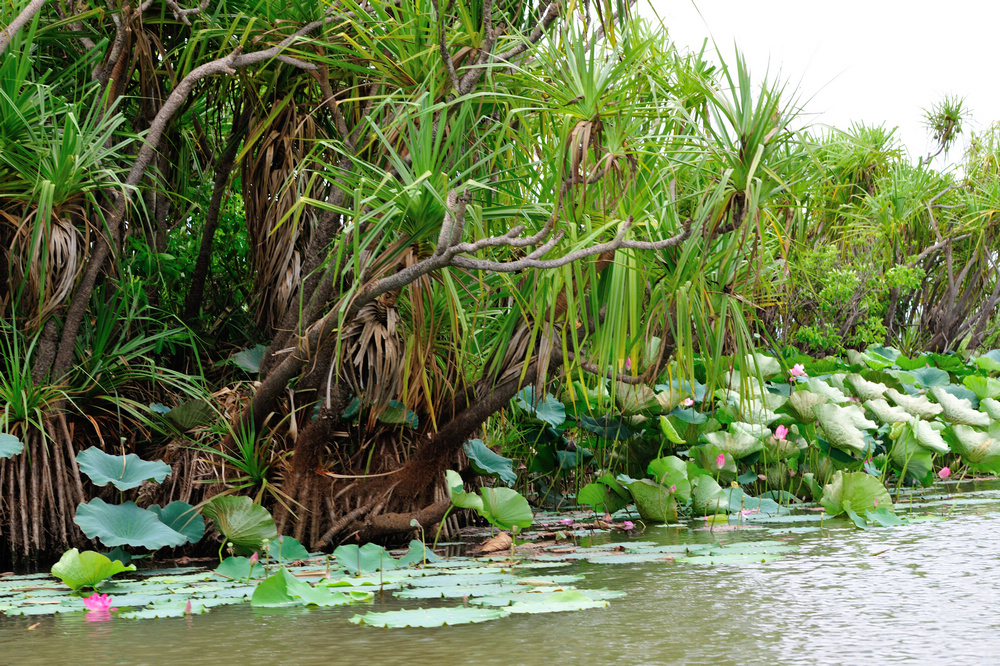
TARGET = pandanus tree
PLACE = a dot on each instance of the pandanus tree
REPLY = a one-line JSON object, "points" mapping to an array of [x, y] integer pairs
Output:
{"points": [[445, 202]]}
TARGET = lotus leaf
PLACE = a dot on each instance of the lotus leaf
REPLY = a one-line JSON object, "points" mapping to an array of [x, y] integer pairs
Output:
{"points": [[636, 399], [281, 589], [486, 462], [928, 437], [990, 361], [548, 409], [708, 497], [887, 413], [10, 446], [983, 387], [183, 518], [803, 403], [239, 568], [125, 524], [86, 569], [819, 386], [754, 430], [249, 359], [369, 557], [669, 432], [991, 407], [756, 411], [605, 427], [396, 413], [780, 449], [864, 389], [958, 410], [909, 455], [125, 472], [287, 548], [735, 444], [557, 602], [601, 497], [506, 508], [460, 498], [654, 502], [430, 617], [671, 472], [191, 414], [840, 429], [417, 554], [916, 405], [883, 517], [242, 522], [976, 447], [862, 490]]}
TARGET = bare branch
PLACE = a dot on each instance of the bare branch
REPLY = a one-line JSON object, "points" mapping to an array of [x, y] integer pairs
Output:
{"points": [[593, 369], [22, 19], [182, 14], [551, 12], [443, 48]]}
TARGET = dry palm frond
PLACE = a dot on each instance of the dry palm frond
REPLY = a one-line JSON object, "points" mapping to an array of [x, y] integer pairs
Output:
{"points": [[373, 354]]}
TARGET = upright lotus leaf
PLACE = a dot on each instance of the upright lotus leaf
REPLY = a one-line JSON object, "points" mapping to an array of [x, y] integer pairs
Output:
{"points": [[756, 411], [368, 558], [183, 518], [708, 497], [636, 399], [857, 416], [125, 525], [707, 457], [916, 405], [819, 386], [249, 359], [803, 403], [958, 410], [978, 448], [767, 366], [654, 502], [840, 429], [10, 446], [418, 553], [991, 407], [604, 494], [281, 589], [864, 389], [909, 456], [506, 508], [990, 361], [862, 490], [237, 568], [928, 377], [757, 430], [669, 431], [738, 445], [928, 436], [242, 522], [191, 414], [671, 472], [983, 387], [780, 449], [887, 413], [457, 494], [484, 461], [396, 413], [125, 472], [86, 569], [287, 549], [547, 409]]}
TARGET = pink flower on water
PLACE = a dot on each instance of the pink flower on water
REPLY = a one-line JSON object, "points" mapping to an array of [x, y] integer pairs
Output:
{"points": [[798, 370], [720, 461], [98, 603], [628, 525], [566, 521], [780, 432], [747, 512], [187, 606], [944, 473], [253, 558], [687, 402]]}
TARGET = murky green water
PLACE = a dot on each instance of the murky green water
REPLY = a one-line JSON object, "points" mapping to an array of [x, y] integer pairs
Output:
{"points": [[924, 593]]}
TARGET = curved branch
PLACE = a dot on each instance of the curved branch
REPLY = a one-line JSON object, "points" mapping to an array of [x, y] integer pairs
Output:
{"points": [[7, 34]]}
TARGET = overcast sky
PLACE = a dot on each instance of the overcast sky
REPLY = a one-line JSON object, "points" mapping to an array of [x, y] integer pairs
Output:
{"points": [[877, 61]]}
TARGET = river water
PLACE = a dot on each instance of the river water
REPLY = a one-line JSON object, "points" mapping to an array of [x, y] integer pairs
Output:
{"points": [[923, 593]]}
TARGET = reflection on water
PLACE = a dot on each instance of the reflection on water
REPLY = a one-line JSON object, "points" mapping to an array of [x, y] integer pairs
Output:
{"points": [[923, 593]]}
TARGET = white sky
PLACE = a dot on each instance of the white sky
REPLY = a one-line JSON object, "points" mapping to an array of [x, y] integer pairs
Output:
{"points": [[877, 61]]}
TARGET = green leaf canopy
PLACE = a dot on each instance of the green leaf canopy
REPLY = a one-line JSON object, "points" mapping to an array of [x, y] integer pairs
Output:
{"points": [[124, 472]]}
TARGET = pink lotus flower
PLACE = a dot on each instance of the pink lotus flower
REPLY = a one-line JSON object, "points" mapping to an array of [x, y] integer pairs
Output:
{"points": [[98, 603], [628, 363], [944, 473], [566, 521], [798, 370], [628, 525], [780, 432], [720, 461], [687, 402], [253, 558], [673, 488], [187, 606]]}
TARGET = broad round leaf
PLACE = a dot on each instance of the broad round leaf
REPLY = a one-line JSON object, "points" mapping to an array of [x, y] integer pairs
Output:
{"points": [[917, 405], [125, 525], [506, 508], [182, 517], [671, 472], [86, 569], [735, 444], [10, 446], [125, 472], [862, 490], [241, 521], [369, 557], [655, 502], [958, 410], [430, 617], [488, 463]]}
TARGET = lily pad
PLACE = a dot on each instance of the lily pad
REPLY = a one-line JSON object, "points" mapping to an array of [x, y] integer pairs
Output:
{"points": [[125, 472], [125, 524], [430, 617], [86, 569], [242, 522], [369, 557], [287, 549], [558, 602]]}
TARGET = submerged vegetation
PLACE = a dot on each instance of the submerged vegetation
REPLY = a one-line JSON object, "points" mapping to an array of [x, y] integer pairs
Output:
{"points": [[282, 283]]}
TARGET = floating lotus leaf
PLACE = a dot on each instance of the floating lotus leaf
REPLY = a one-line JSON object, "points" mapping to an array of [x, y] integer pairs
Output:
{"points": [[958, 410], [654, 502], [125, 525], [758, 431], [991, 407], [174, 609], [86, 569], [976, 447], [916, 405], [819, 386], [671, 472], [887, 413], [864, 389], [803, 403], [558, 602], [284, 589], [863, 491], [183, 518], [736, 444], [430, 617], [840, 428], [983, 387], [125, 472], [486, 462], [10, 446], [242, 522], [369, 557]]}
